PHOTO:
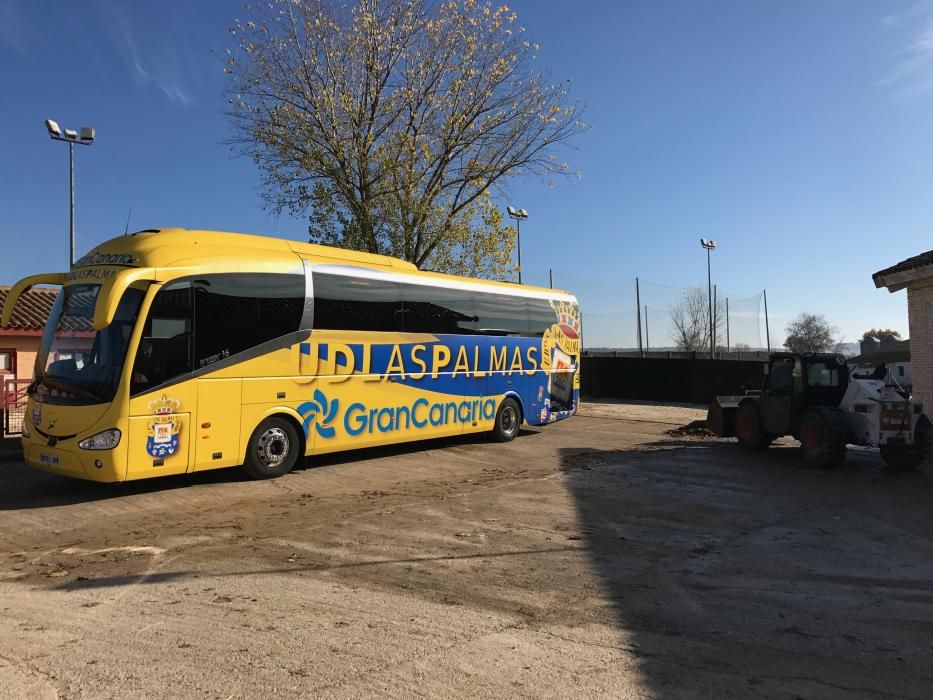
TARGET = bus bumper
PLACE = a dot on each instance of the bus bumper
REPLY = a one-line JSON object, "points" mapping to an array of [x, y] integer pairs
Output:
{"points": [[67, 459]]}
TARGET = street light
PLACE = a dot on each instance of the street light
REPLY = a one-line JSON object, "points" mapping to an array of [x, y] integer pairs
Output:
{"points": [[518, 215], [85, 138], [710, 246]]}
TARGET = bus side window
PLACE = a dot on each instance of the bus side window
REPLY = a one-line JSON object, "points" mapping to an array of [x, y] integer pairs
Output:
{"points": [[541, 316], [164, 351], [237, 312], [501, 314], [344, 303], [437, 310]]}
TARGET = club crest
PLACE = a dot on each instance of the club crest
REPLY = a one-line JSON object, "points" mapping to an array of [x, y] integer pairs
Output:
{"points": [[163, 429]]}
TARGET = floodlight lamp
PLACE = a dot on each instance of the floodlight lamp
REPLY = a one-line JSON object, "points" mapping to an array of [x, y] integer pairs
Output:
{"points": [[511, 210], [53, 128], [522, 213], [71, 134], [707, 243], [87, 133]]}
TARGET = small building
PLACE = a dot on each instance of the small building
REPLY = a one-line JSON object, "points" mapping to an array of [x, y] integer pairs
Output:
{"points": [[916, 276], [19, 342], [895, 356]]}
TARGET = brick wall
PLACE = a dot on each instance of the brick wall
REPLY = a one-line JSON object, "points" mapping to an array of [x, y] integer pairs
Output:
{"points": [[26, 347], [920, 312]]}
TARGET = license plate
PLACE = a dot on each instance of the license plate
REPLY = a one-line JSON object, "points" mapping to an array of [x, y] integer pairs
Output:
{"points": [[47, 459]]}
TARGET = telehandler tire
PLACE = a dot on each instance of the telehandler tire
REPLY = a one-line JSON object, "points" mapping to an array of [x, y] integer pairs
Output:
{"points": [[821, 446], [748, 428], [902, 458]]}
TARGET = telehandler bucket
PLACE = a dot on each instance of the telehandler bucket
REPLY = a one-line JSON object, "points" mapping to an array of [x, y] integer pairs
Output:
{"points": [[720, 418]]}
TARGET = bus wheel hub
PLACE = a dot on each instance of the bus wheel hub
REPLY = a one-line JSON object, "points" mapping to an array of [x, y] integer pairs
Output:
{"points": [[273, 447]]}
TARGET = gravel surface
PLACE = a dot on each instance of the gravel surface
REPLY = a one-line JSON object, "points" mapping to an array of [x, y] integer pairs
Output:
{"points": [[596, 557]]}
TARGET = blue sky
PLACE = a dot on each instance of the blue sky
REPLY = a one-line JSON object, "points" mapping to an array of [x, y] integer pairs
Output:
{"points": [[798, 135]]}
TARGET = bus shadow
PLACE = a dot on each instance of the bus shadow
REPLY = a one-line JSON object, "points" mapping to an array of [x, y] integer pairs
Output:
{"points": [[402, 448], [87, 583], [732, 573], [24, 488]]}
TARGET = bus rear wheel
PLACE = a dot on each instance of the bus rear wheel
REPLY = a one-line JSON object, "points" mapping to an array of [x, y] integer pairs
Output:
{"points": [[273, 450], [508, 421]]}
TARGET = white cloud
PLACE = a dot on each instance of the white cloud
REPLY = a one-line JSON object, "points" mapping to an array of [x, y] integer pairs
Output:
{"points": [[912, 73], [916, 10], [150, 63]]}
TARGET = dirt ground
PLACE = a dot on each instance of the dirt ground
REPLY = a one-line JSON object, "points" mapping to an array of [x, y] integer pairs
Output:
{"points": [[596, 557]]}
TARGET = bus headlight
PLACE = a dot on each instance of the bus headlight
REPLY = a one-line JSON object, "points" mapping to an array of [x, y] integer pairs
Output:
{"points": [[106, 440]]}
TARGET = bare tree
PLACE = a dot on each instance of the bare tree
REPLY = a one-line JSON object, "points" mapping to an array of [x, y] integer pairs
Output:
{"points": [[394, 120], [690, 318], [811, 333]]}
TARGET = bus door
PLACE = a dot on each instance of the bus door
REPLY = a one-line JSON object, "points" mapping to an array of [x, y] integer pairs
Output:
{"points": [[162, 403]]}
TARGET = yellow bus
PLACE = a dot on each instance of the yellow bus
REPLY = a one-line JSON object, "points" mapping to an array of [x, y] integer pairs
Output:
{"points": [[172, 351]]}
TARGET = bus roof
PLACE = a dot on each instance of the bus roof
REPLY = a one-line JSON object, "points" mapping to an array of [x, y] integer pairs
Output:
{"points": [[177, 247]]}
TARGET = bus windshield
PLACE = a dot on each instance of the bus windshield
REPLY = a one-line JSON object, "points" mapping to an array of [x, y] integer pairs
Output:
{"points": [[77, 364]]}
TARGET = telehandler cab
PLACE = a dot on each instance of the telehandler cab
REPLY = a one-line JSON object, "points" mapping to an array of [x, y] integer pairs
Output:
{"points": [[820, 402]]}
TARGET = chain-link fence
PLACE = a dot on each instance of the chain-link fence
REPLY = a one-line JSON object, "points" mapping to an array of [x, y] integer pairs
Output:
{"points": [[636, 314]]}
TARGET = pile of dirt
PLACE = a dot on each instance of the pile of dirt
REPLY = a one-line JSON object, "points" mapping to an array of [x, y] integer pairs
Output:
{"points": [[695, 428]]}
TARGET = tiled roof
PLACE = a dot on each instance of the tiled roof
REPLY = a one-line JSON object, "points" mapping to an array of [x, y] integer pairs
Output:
{"points": [[33, 308], [910, 264]]}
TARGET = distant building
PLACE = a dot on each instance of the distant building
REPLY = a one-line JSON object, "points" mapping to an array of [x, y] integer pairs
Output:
{"points": [[869, 344], [889, 341], [916, 276]]}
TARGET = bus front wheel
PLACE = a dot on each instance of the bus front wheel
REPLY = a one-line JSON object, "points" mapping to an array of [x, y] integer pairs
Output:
{"points": [[273, 449], [508, 421]]}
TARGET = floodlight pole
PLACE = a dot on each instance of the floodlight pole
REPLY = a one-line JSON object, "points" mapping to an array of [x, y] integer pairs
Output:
{"points": [[517, 215], [709, 245], [71, 137], [518, 228], [709, 294], [71, 207]]}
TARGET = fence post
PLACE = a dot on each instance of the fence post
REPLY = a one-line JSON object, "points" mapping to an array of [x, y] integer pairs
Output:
{"points": [[728, 343], [767, 327], [641, 350], [647, 337]]}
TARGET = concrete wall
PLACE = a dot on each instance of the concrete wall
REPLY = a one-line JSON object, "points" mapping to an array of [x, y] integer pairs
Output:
{"points": [[654, 379], [920, 312]]}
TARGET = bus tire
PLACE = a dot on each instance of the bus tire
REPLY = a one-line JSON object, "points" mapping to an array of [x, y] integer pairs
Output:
{"points": [[508, 421], [273, 450]]}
